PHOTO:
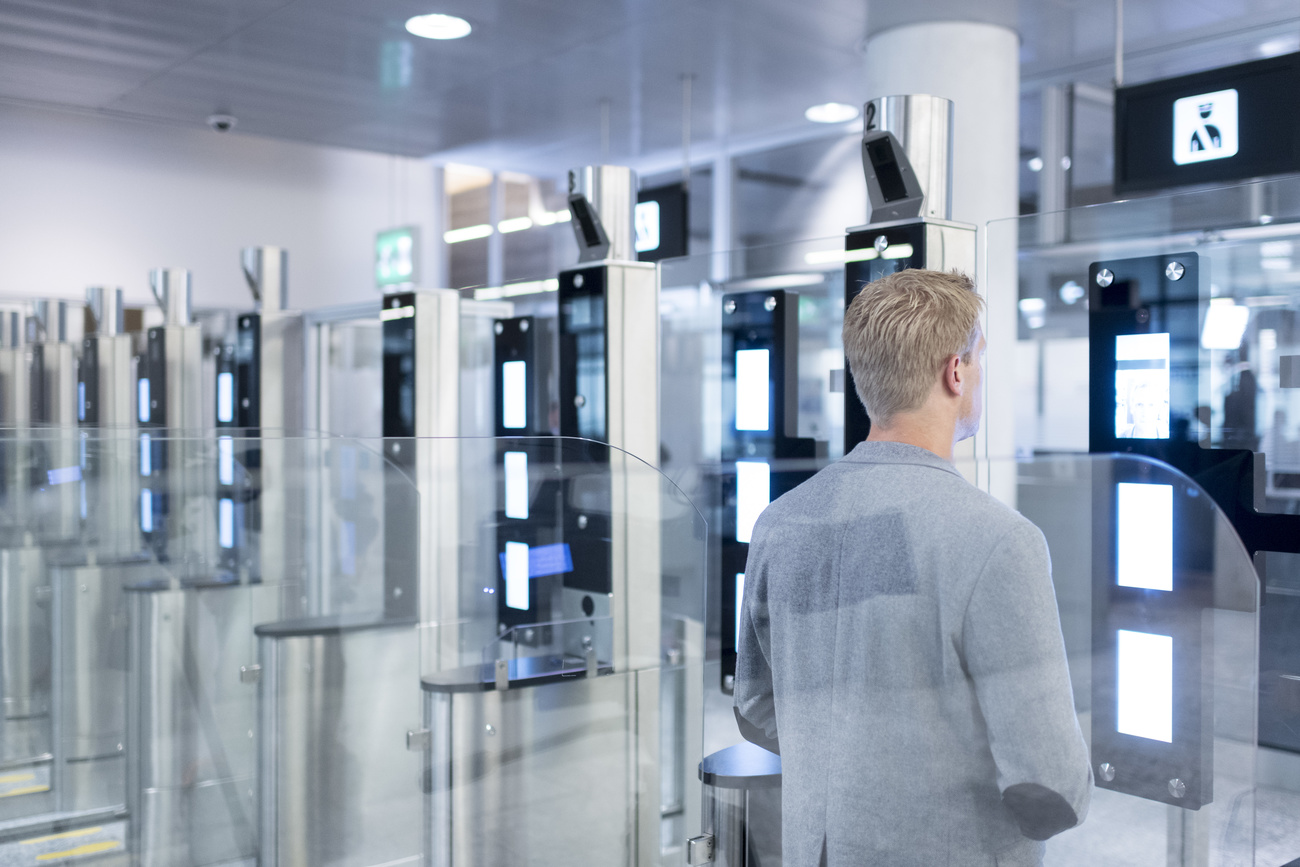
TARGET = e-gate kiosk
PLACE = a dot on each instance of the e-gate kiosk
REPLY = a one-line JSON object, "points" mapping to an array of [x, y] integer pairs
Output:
{"points": [[577, 592], [259, 503], [343, 665]]}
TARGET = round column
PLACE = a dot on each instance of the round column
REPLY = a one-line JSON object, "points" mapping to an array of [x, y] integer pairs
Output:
{"points": [[976, 65]]}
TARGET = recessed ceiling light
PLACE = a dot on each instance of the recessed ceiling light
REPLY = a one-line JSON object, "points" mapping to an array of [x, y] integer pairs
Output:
{"points": [[438, 26], [831, 112]]}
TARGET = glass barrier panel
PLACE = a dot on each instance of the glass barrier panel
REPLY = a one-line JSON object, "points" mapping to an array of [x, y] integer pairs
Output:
{"points": [[561, 665]]}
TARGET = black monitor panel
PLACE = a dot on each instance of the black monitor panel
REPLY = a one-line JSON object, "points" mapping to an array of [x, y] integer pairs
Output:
{"points": [[662, 221], [872, 254], [1144, 341]]}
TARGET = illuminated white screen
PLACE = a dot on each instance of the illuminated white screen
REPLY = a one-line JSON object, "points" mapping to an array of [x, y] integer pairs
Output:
{"points": [[1146, 536], [516, 485], [753, 493], [1146, 686], [740, 599], [146, 510], [1142, 386], [514, 394], [142, 398], [752, 410], [517, 575], [645, 222], [225, 397], [146, 455], [226, 460], [226, 523]]}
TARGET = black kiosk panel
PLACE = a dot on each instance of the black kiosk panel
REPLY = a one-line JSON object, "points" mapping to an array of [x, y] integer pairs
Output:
{"points": [[398, 341], [1153, 641], [873, 253], [515, 359], [583, 363], [760, 374]]}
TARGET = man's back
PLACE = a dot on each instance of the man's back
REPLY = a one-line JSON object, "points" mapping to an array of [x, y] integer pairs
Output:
{"points": [[900, 640]]}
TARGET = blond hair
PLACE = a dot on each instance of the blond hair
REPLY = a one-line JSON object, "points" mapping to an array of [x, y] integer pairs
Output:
{"points": [[901, 329]]}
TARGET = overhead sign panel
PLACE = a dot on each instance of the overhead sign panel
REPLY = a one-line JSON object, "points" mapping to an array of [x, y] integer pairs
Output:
{"points": [[1222, 125]]}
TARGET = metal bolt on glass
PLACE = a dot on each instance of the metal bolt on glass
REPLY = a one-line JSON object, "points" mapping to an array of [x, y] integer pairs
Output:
{"points": [[1177, 787], [769, 303], [729, 305], [1175, 271], [1106, 771], [499, 328], [881, 244], [1105, 277]]}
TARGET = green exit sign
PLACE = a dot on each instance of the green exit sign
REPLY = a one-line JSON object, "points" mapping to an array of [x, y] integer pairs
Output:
{"points": [[396, 257]]}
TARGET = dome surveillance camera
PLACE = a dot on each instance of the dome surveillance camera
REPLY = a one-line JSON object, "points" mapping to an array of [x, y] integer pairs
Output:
{"points": [[222, 122]]}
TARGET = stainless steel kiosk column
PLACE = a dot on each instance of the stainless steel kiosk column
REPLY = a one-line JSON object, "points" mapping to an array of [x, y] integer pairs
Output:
{"points": [[907, 158], [335, 669], [268, 396]]}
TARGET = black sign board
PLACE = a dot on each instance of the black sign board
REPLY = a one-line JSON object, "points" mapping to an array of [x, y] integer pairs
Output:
{"points": [[662, 223], [1225, 124]]}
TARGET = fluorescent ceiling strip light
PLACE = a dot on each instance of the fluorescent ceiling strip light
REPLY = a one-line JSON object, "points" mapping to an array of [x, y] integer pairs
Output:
{"points": [[469, 233], [514, 224]]}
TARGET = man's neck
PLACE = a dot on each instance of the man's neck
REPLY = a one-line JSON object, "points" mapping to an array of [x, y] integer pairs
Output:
{"points": [[924, 430]]}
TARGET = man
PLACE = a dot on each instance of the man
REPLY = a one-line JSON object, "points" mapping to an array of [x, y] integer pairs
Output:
{"points": [[899, 645]]}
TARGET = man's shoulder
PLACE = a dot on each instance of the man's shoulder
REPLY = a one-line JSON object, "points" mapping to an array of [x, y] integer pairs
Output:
{"points": [[845, 489]]}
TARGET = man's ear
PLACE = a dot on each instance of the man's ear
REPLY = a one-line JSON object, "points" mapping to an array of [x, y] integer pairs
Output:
{"points": [[953, 380]]}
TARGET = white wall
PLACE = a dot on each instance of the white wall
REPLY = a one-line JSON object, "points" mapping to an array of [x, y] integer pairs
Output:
{"points": [[86, 200]]}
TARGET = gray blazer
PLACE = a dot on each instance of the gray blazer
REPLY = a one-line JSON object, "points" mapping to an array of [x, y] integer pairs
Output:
{"points": [[900, 648]]}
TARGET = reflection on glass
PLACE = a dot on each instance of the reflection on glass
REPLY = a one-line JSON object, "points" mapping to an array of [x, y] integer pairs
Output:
{"points": [[517, 575], [142, 398], [1142, 386], [81, 401], [752, 410], [146, 455], [1146, 686], [1146, 536], [225, 397], [516, 466], [514, 405], [226, 522], [226, 460], [740, 598], [753, 493]]}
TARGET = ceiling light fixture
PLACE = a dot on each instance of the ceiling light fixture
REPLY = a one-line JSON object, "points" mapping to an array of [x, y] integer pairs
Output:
{"points": [[831, 112], [437, 26]]}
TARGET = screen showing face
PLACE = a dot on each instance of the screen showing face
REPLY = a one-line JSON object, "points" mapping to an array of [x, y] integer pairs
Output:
{"points": [[1142, 386]]}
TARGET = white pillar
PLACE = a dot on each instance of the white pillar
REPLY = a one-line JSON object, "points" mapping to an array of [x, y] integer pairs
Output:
{"points": [[434, 252], [976, 66]]}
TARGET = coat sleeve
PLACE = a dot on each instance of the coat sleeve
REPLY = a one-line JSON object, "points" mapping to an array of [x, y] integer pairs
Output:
{"points": [[755, 707], [1015, 655]]}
